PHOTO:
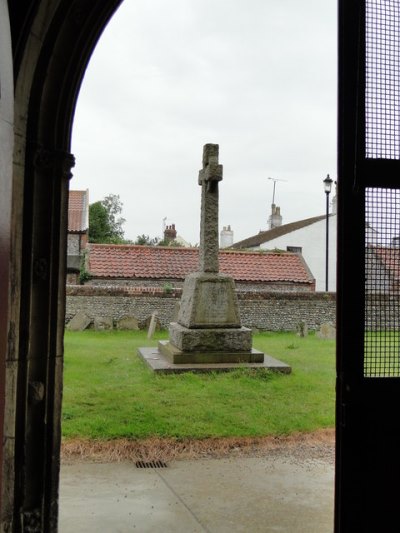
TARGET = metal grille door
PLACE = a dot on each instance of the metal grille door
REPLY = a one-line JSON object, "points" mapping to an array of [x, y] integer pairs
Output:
{"points": [[368, 341]]}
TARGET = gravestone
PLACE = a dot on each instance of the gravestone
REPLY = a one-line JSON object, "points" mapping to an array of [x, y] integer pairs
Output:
{"points": [[208, 333], [327, 331], [79, 322], [127, 323], [302, 329], [175, 313], [102, 323], [153, 325]]}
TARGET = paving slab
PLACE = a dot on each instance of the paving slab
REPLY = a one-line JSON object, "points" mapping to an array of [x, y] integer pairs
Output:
{"points": [[268, 494], [119, 498]]}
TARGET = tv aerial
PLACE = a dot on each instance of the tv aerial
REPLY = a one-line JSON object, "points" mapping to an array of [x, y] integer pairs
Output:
{"points": [[273, 193]]}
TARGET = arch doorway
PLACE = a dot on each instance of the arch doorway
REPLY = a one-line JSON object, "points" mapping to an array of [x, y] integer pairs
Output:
{"points": [[45, 46], [51, 43]]}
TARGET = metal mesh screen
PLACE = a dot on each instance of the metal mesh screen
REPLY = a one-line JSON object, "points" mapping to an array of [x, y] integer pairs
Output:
{"points": [[382, 283], [382, 79]]}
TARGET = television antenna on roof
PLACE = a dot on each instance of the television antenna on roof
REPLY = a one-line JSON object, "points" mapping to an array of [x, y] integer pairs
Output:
{"points": [[273, 193]]}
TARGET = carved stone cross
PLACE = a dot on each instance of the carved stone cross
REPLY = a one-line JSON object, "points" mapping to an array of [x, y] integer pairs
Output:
{"points": [[209, 176]]}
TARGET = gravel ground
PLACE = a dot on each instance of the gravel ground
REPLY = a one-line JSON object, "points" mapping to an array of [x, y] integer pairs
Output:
{"points": [[318, 445]]}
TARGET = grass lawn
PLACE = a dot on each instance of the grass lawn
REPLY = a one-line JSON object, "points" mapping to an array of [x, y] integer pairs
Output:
{"points": [[110, 393]]}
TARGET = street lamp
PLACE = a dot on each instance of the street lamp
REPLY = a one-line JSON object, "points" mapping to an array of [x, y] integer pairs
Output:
{"points": [[327, 188]]}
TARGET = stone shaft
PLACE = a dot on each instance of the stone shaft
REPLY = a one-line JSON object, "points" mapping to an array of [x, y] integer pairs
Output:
{"points": [[209, 248], [209, 176]]}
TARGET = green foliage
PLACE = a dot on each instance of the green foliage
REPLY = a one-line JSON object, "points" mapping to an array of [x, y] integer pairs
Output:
{"points": [[155, 241], [145, 240], [105, 226], [167, 242], [84, 275], [168, 287], [109, 392], [98, 223]]}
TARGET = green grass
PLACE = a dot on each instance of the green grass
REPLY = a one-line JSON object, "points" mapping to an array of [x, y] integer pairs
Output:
{"points": [[382, 353], [110, 393]]}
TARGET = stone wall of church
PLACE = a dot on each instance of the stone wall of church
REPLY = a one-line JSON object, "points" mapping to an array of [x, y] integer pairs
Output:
{"points": [[271, 311]]}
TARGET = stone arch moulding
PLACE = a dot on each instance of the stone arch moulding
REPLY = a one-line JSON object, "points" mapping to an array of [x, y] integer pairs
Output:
{"points": [[52, 44]]}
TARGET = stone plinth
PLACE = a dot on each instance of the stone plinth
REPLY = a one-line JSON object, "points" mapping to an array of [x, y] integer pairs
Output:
{"points": [[173, 355], [158, 363], [209, 301], [208, 329], [210, 339]]}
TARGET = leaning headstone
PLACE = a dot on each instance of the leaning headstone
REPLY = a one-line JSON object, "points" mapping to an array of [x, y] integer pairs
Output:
{"points": [[127, 323], [152, 326], [79, 322], [175, 313], [327, 331], [102, 323], [302, 329]]}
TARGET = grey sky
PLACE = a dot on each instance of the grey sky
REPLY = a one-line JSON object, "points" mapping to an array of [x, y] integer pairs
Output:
{"points": [[257, 77]]}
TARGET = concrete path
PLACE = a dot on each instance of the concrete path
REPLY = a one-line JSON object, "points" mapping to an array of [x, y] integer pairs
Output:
{"points": [[277, 493]]}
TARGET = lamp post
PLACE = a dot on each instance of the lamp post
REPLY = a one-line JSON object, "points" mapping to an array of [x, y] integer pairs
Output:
{"points": [[327, 188]]}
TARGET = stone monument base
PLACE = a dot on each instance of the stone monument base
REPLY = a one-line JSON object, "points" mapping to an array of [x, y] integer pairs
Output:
{"points": [[210, 339], [177, 356], [159, 363], [209, 300]]}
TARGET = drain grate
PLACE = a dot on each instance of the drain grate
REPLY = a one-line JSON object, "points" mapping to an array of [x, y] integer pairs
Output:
{"points": [[151, 464]]}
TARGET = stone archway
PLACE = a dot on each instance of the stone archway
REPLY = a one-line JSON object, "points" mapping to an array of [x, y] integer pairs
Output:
{"points": [[52, 44], [52, 41]]}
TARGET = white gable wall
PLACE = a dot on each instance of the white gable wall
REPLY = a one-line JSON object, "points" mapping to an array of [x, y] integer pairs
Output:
{"points": [[312, 240]]}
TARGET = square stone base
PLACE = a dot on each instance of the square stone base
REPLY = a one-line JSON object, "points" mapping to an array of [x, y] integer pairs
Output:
{"points": [[176, 356], [210, 339], [209, 300], [159, 364]]}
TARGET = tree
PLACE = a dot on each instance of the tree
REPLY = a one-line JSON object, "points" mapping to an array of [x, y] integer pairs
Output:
{"points": [[169, 242], [105, 226], [145, 240]]}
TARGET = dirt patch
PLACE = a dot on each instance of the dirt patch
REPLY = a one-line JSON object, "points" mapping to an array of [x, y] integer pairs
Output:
{"points": [[316, 445]]}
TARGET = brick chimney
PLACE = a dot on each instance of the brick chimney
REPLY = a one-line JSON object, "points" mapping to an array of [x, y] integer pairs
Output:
{"points": [[170, 233], [275, 218], [226, 237]]}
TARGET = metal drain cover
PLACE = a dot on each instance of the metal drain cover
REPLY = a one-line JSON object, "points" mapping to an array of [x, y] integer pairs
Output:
{"points": [[150, 464]]}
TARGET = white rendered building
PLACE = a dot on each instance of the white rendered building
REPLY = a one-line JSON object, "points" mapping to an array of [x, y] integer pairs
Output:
{"points": [[307, 237]]}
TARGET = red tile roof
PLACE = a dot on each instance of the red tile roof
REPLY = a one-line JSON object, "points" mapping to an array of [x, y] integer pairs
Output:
{"points": [[78, 205], [119, 261]]}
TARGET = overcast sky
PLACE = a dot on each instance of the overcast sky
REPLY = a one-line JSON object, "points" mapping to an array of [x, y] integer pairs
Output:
{"points": [[257, 77]]}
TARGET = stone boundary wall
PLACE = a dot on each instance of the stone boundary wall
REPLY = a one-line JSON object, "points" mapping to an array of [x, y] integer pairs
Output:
{"points": [[284, 311], [268, 311], [178, 284], [382, 311]]}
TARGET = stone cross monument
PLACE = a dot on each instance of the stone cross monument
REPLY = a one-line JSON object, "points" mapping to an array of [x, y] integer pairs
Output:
{"points": [[209, 176], [208, 329]]}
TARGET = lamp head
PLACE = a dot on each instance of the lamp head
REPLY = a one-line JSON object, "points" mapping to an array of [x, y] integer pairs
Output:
{"points": [[327, 184]]}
